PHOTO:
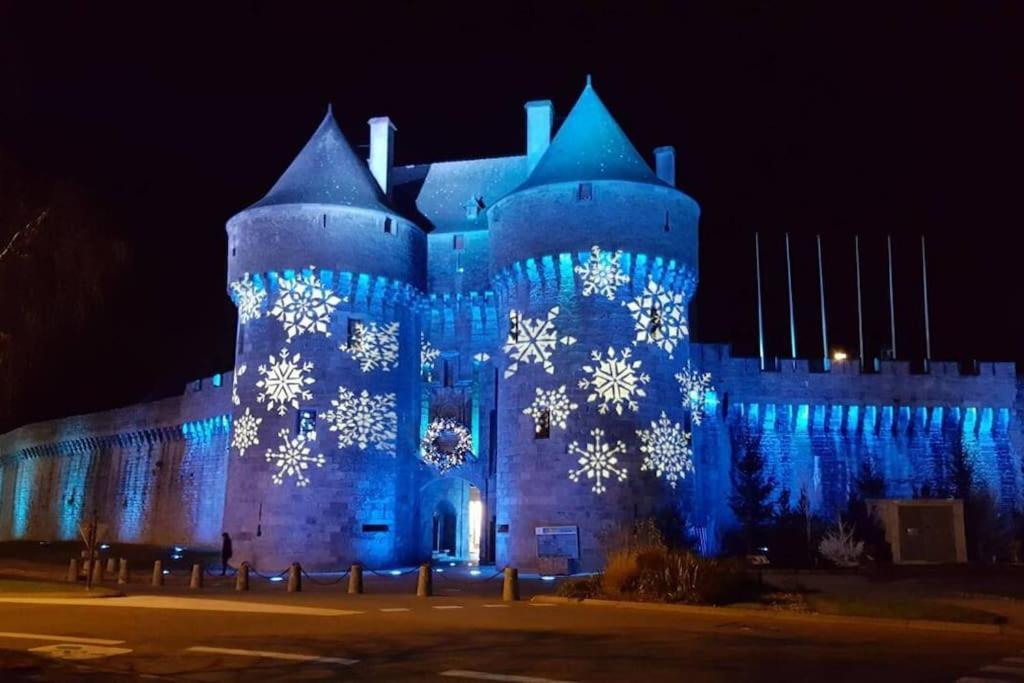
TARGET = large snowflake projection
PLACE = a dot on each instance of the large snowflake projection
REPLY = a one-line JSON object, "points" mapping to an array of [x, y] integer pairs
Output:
{"points": [[246, 432], [428, 352], [293, 457], [304, 305], [694, 386], [446, 445], [234, 383], [602, 274], [533, 341], [615, 380], [284, 382], [550, 407], [373, 346], [666, 449], [598, 461], [660, 317], [364, 419], [249, 299]]}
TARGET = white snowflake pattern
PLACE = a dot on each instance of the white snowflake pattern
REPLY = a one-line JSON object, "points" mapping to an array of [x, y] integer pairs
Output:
{"points": [[482, 357], [373, 346], [666, 449], [284, 382], [249, 299], [614, 380], [598, 461], [293, 457], [602, 274], [694, 386], [304, 305], [550, 407], [428, 352], [234, 383], [660, 317], [246, 432], [364, 419], [533, 341]]}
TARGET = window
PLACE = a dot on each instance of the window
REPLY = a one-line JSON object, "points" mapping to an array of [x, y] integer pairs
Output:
{"points": [[585, 192], [389, 226], [459, 242], [543, 430], [218, 380], [449, 374], [241, 339], [475, 207], [355, 333], [306, 421], [655, 325], [668, 224], [370, 528], [513, 325], [325, 220]]}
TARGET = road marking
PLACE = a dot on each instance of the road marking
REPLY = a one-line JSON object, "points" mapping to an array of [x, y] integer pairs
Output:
{"points": [[540, 604], [394, 609], [447, 606], [495, 605], [76, 652], [1014, 660], [974, 679], [271, 655], [484, 676], [997, 669], [63, 639], [197, 604]]}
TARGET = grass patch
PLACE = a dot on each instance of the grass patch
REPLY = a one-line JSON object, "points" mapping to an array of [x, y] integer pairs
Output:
{"points": [[42, 588], [898, 609]]}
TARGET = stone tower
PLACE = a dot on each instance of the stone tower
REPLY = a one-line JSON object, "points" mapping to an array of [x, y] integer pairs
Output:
{"points": [[324, 272], [594, 261]]}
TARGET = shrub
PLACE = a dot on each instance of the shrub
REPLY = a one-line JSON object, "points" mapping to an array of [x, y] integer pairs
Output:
{"points": [[685, 577], [586, 587], [840, 548]]}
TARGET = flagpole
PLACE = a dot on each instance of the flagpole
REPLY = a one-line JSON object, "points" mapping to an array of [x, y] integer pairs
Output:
{"points": [[927, 326], [792, 319], [860, 303], [760, 312], [892, 304], [821, 296]]}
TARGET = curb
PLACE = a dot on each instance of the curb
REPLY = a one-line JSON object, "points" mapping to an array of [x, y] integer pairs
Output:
{"points": [[696, 610]]}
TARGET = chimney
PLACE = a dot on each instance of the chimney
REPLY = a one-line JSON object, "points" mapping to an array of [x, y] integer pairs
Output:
{"points": [[382, 151], [665, 164], [539, 116]]}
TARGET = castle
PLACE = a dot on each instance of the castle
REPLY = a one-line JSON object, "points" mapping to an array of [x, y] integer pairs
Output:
{"points": [[485, 360]]}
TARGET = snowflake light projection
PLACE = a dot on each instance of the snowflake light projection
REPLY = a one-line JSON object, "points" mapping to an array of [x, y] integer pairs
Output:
{"points": [[234, 383], [292, 457], [550, 408], [666, 449], [364, 419], [284, 382], [602, 274], [246, 432], [249, 299], [598, 461], [374, 346], [482, 357], [304, 305], [614, 380], [660, 317], [428, 352], [446, 445], [533, 341], [694, 386]]}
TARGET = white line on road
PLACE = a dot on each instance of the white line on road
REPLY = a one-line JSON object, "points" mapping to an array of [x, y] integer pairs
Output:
{"points": [[63, 639], [495, 605], [540, 604], [394, 609], [974, 679], [997, 669], [484, 676], [271, 655], [1014, 660], [447, 606], [198, 604]]}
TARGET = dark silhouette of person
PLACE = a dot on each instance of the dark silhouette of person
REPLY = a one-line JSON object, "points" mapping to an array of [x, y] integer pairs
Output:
{"points": [[225, 553]]}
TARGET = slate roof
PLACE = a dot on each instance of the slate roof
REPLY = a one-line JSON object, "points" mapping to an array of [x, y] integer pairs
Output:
{"points": [[327, 171], [590, 146]]}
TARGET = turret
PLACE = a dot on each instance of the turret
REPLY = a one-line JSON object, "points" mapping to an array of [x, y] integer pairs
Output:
{"points": [[323, 270], [594, 261]]}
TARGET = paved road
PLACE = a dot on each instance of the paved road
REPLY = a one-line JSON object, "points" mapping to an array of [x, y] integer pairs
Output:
{"points": [[402, 638]]}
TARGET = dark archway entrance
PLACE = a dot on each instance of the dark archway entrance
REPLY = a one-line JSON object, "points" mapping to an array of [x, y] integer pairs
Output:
{"points": [[445, 527]]}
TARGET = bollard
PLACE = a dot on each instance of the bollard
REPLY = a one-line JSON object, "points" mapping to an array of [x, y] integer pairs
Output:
{"points": [[295, 578], [97, 572], [242, 577], [197, 577], [122, 571], [425, 585], [111, 566], [158, 573], [355, 579], [510, 588], [73, 570]]}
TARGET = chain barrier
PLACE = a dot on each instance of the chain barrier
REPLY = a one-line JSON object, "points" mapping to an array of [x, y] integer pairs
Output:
{"points": [[389, 574], [268, 578], [326, 583], [446, 578], [213, 573]]}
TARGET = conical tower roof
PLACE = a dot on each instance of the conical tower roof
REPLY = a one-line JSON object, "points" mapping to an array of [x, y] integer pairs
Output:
{"points": [[590, 145], [327, 171]]}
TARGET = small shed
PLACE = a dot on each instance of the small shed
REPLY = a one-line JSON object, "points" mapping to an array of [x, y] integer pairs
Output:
{"points": [[923, 531]]}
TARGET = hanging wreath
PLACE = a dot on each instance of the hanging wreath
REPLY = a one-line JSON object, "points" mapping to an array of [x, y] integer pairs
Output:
{"points": [[446, 444]]}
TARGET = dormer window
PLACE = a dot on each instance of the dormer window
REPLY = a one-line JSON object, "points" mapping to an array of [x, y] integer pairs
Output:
{"points": [[475, 207], [355, 334], [389, 226], [513, 325], [459, 242], [584, 192]]}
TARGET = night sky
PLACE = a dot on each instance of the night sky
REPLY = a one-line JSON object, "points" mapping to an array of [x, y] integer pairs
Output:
{"points": [[142, 130]]}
